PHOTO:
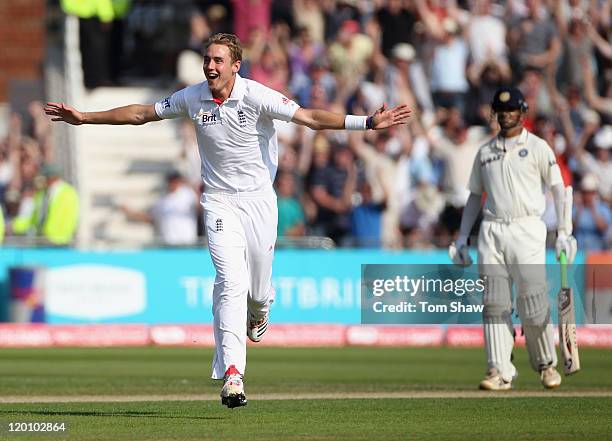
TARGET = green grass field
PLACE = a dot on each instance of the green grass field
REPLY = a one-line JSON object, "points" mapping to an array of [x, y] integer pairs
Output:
{"points": [[420, 394]]}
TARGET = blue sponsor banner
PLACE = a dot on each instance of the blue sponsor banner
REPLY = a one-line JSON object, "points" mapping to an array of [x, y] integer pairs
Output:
{"points": [[159, 286]]}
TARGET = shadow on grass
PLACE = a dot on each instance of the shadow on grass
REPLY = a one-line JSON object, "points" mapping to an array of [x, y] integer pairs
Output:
{"points": [[127, 414]]}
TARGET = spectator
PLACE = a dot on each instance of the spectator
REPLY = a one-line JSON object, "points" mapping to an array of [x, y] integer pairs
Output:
{"points": [[307, 14], [249, 15], [350, 52], [486, 35], [380, 172], [599, 164], [95, 22], [456, 145], [320, 80], [576, 46], [366, 217], [583, 118], [420, 217], [602, 104], [545, 128], [52, 212], [271, 68], [533, 39], [396, 22], [174, 215], [303, 52], [537, 96], [331, 189], [337, 12], [291, 220], [449, 84], [592, 217], [405, 76]]}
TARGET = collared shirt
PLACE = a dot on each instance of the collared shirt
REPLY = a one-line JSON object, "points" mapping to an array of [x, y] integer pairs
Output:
{"points": [[448, 67], [514, 177], [237, 140], [176, 217], [458, 159]]}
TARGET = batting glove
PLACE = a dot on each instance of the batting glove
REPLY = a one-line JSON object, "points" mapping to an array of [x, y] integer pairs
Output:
{"points": [[459, 252], [568, 244]]}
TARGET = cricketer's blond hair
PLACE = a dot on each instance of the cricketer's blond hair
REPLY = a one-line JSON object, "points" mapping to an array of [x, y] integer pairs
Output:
{"points": [[230, 40]]}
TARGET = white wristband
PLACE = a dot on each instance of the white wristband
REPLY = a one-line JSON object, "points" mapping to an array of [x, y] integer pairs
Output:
{"points": [[354, 122]]}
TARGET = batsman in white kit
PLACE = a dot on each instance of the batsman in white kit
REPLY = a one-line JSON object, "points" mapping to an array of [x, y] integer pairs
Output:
{"points": [[513, 170], [233, 117]]}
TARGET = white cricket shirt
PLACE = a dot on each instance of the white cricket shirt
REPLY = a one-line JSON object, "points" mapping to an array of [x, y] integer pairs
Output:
{"points": [[514, 176], [236, 139]]}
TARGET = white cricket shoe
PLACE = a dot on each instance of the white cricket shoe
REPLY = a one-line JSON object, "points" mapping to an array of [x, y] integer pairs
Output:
{"points": [[257, 328], [494, 381], [232, 393], [551, 379]]}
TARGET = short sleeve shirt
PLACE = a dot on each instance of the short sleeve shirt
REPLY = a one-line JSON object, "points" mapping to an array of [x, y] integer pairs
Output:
{"points": [[514, 180], [237, 139]]}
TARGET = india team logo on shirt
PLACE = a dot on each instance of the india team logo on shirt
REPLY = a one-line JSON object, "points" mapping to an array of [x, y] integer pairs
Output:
{"points": [[523, 153]]}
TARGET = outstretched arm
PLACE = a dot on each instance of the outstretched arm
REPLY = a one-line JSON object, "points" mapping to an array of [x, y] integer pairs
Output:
{"points": [[135, 114], [318, 119]]}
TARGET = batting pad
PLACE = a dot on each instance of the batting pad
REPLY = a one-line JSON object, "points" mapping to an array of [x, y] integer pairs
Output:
{"points": [[540, 344], [499, 341], [498, 329]]}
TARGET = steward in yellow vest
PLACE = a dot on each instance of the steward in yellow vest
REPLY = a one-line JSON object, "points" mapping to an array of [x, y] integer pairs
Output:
{"points": [[55, 210]]}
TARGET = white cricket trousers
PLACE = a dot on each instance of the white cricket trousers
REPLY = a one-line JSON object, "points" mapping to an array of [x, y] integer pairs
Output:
{"points": [[514, 253], [241, 230]]}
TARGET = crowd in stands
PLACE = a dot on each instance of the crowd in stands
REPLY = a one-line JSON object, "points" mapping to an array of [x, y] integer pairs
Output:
{"points": [[35, 201], [406, 187]]}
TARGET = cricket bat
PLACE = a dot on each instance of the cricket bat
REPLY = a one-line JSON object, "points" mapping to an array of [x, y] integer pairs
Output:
{"points": [[567, 323]]}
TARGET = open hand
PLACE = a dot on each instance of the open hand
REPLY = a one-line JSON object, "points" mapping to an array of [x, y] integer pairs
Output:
{"points": [[384, 118], [65, 113]]}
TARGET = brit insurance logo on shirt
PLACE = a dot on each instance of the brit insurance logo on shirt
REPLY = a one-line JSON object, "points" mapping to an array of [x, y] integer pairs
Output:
{"points": [[207, 118]]}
